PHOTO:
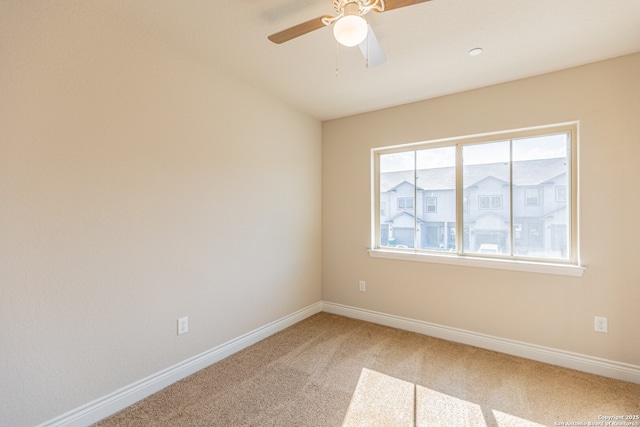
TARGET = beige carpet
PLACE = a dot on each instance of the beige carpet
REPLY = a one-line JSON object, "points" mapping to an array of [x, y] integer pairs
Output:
{"points": [[329, 370]]}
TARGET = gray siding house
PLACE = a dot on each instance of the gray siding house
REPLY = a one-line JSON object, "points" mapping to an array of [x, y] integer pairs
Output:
{"points": [[419, 211]]}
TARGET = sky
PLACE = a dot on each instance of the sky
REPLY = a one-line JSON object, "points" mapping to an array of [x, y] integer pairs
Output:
{"points": [[540, 147]]}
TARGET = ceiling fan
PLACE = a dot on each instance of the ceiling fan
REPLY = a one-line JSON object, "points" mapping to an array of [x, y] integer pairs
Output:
{"points": [[349, 26]]}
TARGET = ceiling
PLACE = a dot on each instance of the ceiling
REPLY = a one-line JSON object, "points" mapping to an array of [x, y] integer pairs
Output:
{"points": [[426, 45]]}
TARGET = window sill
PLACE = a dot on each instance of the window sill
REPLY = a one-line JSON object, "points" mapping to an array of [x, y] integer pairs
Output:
{"points": [[507, 264]]}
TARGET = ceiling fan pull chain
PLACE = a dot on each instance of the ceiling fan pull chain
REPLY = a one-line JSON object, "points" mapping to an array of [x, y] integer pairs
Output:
{"points": [[337, 50], [366, 59]]}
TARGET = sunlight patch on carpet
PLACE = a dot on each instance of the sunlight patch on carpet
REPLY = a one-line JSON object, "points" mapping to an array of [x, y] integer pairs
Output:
{"points": [[383, 400], [508, 420], [440, 409]]}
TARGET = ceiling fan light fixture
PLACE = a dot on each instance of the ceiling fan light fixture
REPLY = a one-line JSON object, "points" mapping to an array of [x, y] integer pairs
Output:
{"points": [[350, 30]]}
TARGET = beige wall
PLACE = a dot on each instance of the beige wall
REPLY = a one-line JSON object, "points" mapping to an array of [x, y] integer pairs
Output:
{"points": [[547, 310], [137, 185]]}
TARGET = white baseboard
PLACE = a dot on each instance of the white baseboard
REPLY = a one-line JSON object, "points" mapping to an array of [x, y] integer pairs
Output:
{"points": [[567, 359], [126, 396]]}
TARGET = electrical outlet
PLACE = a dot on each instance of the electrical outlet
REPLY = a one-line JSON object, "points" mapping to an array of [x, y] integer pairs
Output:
{"points": [[601, 324], [363, 286], [183, 325]]}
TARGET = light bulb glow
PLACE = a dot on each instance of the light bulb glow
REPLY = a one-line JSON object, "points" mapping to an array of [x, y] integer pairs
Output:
{"points": [[350, 30]]}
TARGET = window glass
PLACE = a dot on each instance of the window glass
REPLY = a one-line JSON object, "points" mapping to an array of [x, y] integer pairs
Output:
{"points": [[486, 177], [436, 184], [539, 168], [432, 205], [512, 196], [561, 194], [397, 192]]}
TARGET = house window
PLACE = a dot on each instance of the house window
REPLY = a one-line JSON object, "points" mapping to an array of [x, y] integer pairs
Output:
{"points": [[506, 174], [531, 196], [383, 208], [405, 202], [432, 204], [490, 202]]}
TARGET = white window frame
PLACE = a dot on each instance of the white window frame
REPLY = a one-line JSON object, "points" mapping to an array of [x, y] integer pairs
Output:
{"points": [[570, 267]]}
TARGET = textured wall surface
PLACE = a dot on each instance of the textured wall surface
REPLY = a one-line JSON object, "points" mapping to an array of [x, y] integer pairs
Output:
{"points": [[137, 185], [542, 309]]}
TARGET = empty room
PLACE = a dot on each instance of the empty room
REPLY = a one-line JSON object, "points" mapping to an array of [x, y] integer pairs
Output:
{"points": [[319, 213]]}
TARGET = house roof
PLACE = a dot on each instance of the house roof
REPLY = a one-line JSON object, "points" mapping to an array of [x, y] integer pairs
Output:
{"points": [[403, 182], [431, 179], [525, 173], [404, 213]]}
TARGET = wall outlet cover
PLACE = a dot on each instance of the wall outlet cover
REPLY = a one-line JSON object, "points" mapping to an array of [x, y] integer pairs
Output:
{"points": [[183, 325], [601, 324]]}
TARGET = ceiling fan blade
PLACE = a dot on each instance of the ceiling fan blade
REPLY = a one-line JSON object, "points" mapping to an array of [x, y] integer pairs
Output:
{"points": [[371, 50], [298, 30], [397, 4]]}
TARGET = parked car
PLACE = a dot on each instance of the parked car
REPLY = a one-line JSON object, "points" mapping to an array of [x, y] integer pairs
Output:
{"points": [[488, 248]]}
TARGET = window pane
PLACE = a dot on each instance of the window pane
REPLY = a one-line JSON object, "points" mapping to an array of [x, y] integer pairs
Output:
{"points": [[531, 196], [436, 204], [486, 187], [397, 194], [539, 196]]}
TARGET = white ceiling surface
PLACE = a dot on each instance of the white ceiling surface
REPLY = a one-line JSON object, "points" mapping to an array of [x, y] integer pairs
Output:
{"points": [[426, 45]]}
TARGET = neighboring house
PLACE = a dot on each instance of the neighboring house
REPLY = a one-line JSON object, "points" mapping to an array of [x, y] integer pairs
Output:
{"points": [[539, 208]]}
